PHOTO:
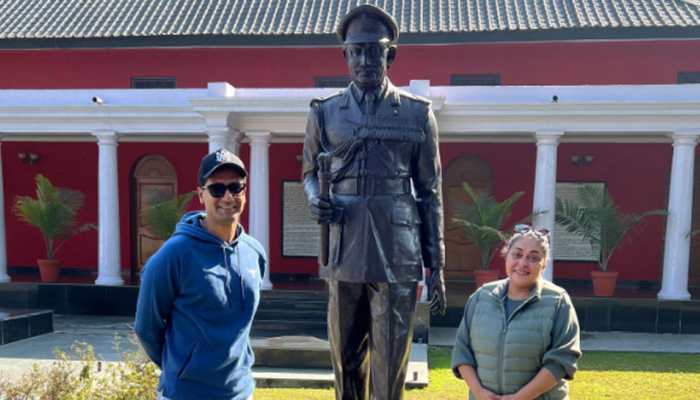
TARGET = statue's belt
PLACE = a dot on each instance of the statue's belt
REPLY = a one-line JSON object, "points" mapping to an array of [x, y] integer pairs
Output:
{"points": [[372, 186]]}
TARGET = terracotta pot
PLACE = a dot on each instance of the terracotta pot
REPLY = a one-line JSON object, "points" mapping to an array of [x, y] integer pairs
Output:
{"points": [[604, 283], [49, 270], [481, 277]]}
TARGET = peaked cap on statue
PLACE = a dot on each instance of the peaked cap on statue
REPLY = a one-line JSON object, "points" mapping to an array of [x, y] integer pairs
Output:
{"points": [[369, 37]]}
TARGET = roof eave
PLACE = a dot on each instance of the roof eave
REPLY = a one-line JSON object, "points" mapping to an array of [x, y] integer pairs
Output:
{"points": [[407, 38]]}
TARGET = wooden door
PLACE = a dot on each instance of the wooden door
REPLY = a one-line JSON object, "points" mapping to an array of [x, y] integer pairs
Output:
{"points": [[461, 256], [153, 181]]}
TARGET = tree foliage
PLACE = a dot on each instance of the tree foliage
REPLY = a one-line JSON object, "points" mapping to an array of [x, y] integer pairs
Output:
{"points": [[162, 217], [53, 212], [595, 217], [483, 220]]}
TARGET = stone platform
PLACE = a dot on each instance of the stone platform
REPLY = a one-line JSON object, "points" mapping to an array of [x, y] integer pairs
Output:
{"points": [[19, 323], [304, 361]]}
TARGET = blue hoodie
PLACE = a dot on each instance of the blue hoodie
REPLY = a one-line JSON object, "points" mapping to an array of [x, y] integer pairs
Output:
{"points": [[196, 304]]}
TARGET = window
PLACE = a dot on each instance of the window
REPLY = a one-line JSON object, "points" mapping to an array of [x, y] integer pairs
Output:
{"points": [[689, 77], [152, 83], [475, 80], [332, 81]]}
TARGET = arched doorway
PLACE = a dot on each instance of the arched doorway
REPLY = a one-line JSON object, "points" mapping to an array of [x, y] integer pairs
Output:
{"points": [[461, 257], [153, 181]]}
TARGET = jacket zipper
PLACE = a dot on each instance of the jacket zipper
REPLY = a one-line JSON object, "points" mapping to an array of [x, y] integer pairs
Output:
{"points": [[501, 348], [502, 340]]}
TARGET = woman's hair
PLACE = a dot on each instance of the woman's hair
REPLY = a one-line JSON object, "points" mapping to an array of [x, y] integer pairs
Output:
{"points": [[520, 231]]}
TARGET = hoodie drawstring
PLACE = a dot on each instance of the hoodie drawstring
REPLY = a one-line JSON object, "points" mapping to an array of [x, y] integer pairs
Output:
{"points": [[233, 269]]}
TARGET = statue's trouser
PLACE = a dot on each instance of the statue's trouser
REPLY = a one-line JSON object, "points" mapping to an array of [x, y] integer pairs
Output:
{"points": [[370, 327]]}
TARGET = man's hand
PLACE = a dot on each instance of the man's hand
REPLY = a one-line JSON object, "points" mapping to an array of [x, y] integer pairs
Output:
{"points": [[436, 292], [324, 212]]}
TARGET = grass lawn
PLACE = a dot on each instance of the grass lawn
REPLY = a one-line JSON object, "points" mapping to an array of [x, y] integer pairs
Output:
{"points": [[601, 375]]}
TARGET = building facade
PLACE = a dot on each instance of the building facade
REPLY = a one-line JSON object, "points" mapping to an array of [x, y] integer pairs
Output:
{"points": [[527, 97]]}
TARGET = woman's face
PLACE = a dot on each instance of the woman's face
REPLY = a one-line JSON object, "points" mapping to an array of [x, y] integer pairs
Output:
{"points": [[525, 262]]}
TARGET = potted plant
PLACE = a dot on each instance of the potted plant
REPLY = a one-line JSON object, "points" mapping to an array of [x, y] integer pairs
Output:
{"points": [[53, 213], [595, 217], [482, 221], [161, 218]]}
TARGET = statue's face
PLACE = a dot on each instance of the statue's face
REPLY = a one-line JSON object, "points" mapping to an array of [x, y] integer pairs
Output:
{"points": [[368, 61]]}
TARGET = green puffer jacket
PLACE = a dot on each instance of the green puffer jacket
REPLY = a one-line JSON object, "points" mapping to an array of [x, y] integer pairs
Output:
{"points": [[542, 332]]}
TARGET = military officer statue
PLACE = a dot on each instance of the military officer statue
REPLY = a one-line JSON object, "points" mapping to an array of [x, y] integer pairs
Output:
{"points": [[384, 210]]}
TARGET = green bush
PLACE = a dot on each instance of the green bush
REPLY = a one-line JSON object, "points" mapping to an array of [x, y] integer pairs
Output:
{"points": [[84, 377]]}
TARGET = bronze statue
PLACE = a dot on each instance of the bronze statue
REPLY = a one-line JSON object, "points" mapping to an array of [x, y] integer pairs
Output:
{"points": [[383, 211]]}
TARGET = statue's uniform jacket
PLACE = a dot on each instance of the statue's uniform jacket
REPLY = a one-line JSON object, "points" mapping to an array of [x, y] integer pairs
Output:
{"points": [[386, 177]]}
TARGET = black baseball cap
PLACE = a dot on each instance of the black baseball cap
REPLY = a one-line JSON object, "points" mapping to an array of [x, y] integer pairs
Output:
{"points": [[220, 158]]}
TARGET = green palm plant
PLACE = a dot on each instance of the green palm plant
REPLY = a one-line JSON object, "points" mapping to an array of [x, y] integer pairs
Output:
{"points": [[483, 220], [53, 213], [595, 217], [162, 217]]}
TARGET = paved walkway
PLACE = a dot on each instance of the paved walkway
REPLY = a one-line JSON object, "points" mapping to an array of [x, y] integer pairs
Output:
{"points": [[607, 341], [103, 332]]}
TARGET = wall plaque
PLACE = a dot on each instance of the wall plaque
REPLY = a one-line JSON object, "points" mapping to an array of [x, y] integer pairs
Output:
{"points": [[568, 246], [300, 233]]}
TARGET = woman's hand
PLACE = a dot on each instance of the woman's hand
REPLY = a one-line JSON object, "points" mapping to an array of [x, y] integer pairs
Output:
{"points": [[484, 394], [514, 396]]}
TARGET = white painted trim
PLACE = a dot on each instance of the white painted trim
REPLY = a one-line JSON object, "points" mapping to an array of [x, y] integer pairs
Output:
{"points": [[674, 282], [544, 192], [259, 181], [109, 248], [618, 113]]}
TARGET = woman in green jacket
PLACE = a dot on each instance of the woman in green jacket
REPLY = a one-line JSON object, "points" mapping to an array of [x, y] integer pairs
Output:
{"points": [[519, 337]]}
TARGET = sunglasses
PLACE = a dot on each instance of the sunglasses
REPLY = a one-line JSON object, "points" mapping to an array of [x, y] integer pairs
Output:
{"points": [[525, 228], [218, 190]]}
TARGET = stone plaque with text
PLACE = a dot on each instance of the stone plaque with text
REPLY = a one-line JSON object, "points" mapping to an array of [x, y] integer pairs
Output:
{"points": [[300, 233]]}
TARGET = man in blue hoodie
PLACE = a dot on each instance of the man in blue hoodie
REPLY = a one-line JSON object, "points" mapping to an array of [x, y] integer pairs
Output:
{"points": [[200, 291]]}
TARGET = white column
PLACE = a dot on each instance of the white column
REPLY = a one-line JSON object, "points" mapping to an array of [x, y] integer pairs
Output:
{"points": [[259, 201], [674, 283], [224, 138], [3, 244], [109, 259], [543, 201]]}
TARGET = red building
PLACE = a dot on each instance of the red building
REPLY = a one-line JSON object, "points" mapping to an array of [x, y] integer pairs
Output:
{"points": [[256, 45]]}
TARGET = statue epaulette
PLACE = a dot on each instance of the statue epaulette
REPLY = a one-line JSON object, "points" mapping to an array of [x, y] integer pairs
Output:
{"points": [[316, 100], [415, 97]]}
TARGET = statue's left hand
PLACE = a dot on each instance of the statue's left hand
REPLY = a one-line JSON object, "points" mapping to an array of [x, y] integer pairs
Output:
{"points": [[436, 291]]}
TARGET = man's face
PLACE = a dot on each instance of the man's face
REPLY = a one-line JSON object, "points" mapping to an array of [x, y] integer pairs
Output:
{"points": [[367, 62], [225, 210]]}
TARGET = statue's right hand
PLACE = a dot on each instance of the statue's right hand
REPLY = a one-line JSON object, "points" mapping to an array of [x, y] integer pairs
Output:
{"points": [[323, 211]]}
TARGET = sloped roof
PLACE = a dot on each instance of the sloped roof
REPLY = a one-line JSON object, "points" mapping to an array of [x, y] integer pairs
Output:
{"points": [[109, 19]]}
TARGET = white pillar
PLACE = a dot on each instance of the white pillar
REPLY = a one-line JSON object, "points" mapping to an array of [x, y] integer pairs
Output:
{"points": [[224, 138], [259, 201], [674, 283], [3, 244], [109, 258], [543, 201]]}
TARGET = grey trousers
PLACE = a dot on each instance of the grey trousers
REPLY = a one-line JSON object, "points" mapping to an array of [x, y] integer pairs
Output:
{"points": [[370, 328]]}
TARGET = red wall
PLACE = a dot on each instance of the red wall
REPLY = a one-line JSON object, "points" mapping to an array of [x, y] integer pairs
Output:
{"points": [[552, 63], [65, 164], [636, 174]]}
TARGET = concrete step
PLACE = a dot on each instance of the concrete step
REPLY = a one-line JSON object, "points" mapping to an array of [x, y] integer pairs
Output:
{"points": [[286, 304], [289, 327], [300, 351], [304, 315], [22, 323]]}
